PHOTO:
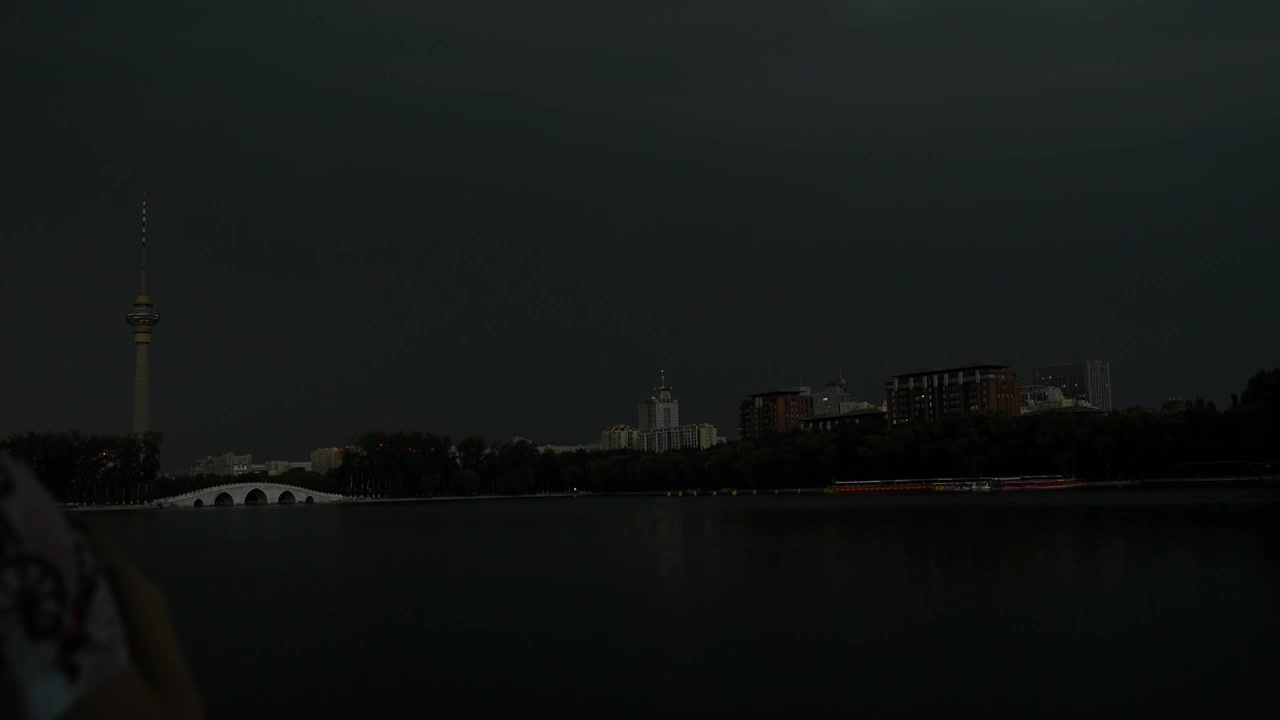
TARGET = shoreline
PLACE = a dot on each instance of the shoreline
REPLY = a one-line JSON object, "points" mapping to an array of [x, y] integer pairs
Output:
{"points": [[1154, 484]]}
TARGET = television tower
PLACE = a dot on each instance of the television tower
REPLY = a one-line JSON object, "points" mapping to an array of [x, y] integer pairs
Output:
{"points": [[142, 317]]}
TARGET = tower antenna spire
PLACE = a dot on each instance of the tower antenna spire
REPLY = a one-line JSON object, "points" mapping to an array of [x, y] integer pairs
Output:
{"points": [[142, 263]]}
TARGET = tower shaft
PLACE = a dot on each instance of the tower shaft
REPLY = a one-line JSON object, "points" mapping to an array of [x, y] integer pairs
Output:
{"points": [[142, 388]]}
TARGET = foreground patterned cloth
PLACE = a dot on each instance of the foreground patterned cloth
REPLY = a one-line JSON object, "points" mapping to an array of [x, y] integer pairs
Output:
{"points": [[60, 633]]}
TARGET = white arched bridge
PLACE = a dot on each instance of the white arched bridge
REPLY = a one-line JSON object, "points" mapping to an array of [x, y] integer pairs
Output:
{"points": [[260, 493]]}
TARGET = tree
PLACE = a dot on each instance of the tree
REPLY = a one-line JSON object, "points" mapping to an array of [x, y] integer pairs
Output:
{"points": [[1262, 394], [91, 469], [471, 452]]}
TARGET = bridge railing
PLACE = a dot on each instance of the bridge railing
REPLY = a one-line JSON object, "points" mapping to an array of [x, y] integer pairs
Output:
{"points": [[224, 486]]}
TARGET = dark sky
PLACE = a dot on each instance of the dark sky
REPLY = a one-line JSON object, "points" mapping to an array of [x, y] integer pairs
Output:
{"points": [[503, 218]]}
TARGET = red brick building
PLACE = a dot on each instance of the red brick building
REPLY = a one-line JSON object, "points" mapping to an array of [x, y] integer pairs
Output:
{"points": [[776, 411], [931, 394]]}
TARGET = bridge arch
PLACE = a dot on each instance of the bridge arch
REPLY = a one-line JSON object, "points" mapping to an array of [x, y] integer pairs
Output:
{"points": [[251, 493]]}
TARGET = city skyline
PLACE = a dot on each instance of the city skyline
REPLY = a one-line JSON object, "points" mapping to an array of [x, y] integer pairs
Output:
{"points": [[664, 396], [434, 235], [658, 412]]}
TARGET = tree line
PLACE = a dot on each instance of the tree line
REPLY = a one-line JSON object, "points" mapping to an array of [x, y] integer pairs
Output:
{"points": [[1128, 445], [86, 469]]}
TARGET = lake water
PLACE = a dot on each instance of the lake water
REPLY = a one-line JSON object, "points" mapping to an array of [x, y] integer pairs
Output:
{"points": [[1151, 604]]}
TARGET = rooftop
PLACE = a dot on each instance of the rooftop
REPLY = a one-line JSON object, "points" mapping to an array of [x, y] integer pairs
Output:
{"points": [[954, 368]]}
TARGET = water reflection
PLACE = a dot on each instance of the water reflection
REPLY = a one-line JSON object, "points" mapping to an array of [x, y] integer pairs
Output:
{"points": [[669, 542], [646, 607]]}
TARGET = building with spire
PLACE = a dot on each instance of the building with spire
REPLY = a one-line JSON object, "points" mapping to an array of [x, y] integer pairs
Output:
{"points": [[661, 411], [142, 317], [660, 429]]}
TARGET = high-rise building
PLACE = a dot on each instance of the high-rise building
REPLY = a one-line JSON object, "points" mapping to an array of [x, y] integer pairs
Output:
{"points": [[681, 437], [142, 317], [1087, 381], [931, 394], [618, 437], [775, 411], [325, 459], [708, 435], [661, 410]]}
